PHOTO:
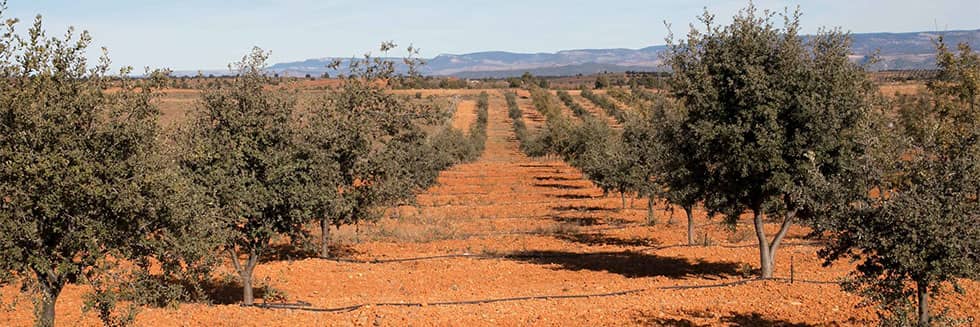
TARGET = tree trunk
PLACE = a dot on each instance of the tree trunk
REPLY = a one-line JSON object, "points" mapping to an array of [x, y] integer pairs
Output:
{"points": [[690, 224], [922, 289], [324, 238], [651, 218], [245, 273], [767, 250], [248, 293], [765, 258], [622, 196], [50, 289], [783, 229]]}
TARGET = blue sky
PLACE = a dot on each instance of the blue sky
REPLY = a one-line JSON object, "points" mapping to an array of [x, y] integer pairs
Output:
{"points": [[208, 34]]}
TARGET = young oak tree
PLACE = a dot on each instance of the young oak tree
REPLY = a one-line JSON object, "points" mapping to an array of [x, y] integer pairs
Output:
{"points": [[82, 182], [366, 148], [241, 146], [768, 112], [666, 158], [918, 223]]}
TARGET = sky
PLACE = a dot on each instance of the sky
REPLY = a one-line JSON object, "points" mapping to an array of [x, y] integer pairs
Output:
{"points": [[209, 34]]}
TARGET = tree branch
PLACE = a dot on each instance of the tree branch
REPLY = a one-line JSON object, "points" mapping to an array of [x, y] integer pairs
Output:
{"points": [[787, 222]]}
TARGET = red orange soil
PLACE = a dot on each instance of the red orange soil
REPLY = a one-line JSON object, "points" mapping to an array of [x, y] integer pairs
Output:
{"points": [[465, 115], [545, 231]]}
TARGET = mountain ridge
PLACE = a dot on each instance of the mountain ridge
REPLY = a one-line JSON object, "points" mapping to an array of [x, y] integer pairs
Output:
{"points": [[895, 51]]}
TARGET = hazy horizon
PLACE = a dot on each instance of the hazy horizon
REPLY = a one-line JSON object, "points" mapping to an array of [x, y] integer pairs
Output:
{"points": [[208, 34]]}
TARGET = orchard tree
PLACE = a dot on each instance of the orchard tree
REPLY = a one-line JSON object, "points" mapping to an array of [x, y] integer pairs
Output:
{"points": [[641, 145], [769, 113], [919, 222], [241, 146], [665, 152], [82, 181], [366, 146], [601, 81]]}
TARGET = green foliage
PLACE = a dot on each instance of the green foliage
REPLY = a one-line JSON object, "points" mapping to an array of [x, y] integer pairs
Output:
{"points": [[599, 152], [592, 146], [626, 97], [365, 147], [643, 94], [554, 138], [528, 144], [606, 104], [455, 147], [918, 223], [663, 155], [772, 116], [576, 108], [82, 176], [601, 82], [241, 146]]}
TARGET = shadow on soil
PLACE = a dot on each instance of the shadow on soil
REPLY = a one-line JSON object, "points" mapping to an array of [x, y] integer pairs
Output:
{"points": [[290, 252], [589, 220], [538, 166], [733, 319], [584, 208], [559, 186], [556, 178], [628, 264], [229, 292], [571, 196], [596, 239]]}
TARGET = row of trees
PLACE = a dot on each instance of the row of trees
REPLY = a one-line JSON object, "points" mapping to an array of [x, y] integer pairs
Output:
{"points": [[601, 101], [786, 129], [93, 191]]}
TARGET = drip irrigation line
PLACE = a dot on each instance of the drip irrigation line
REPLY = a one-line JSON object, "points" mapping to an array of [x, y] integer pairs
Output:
{"points": [[726, 246], [305, 306]]}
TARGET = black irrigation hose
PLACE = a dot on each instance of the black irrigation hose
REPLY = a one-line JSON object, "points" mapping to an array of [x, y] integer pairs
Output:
{"points": [[306, 307], [726, 246], [746, 281]]}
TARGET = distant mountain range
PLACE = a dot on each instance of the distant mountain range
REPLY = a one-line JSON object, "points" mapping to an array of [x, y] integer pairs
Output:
{"points": [[898, 51]]}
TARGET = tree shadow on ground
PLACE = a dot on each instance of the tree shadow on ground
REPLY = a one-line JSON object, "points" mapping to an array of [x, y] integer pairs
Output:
{"points": [[598, 239], [559, 186], [589, 220], [733, 319], [571, 196], [756, 319], [585, 208], [224, 292], [556, 178], [628, 264], [537, 166]]}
